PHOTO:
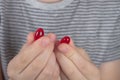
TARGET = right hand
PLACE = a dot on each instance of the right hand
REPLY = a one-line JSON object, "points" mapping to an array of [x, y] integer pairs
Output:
{"points": [[35, 61]]}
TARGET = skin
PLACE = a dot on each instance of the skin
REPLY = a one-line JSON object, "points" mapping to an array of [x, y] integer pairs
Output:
{"points": [[72, 63], [110, 70], [78, 64], [35, 61], [72, 55], [107, 71]]}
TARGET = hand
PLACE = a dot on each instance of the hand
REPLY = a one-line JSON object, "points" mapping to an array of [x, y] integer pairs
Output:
{"points": [[75, 63], [35, 61]]}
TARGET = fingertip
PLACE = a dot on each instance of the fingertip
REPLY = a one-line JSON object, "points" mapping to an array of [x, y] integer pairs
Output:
{"points": [[29, 40], [72, 42], [52, 37], [66, 50], [63, 48], [30, 37], [67, 40], [45, 41]]}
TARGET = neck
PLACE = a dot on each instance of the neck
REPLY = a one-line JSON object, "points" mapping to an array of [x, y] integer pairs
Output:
{"points": [[49, 1]]}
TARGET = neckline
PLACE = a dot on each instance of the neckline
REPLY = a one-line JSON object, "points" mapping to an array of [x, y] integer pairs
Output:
{"points": [[49, 6]]}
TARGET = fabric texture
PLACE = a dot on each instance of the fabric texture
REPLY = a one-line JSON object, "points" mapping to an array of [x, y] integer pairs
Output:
{"points": [[93, 25]]}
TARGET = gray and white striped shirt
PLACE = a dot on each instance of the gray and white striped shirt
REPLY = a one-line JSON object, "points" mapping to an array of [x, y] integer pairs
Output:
{"points": [[93, 24]]}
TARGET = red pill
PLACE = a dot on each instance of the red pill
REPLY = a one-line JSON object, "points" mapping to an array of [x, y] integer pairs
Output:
{"points": [[65, 39], [38, 33]]}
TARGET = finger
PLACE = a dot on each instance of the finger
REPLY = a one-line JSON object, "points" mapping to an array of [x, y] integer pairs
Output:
{"points": [[80, 51], [69, 68], [38, 64], [52, 37], [59, 78], [63, 76], [72, 43], [51, 70], [83, 53], [30, 39], [24, 58], [84, 66]]}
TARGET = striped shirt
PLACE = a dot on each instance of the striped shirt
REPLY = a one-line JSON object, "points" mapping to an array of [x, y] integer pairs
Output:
{"points": [[93, 25]]}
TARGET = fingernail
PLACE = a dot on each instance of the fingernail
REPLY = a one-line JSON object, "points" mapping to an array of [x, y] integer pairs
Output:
{"points": [[65, 39], [45, 41], [38, 33]]}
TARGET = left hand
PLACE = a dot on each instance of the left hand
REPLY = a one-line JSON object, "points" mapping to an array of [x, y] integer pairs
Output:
{"points": [[75, 63]]}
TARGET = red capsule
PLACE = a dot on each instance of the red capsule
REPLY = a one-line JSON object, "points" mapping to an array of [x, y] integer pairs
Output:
{"points": [[65, 39], [38, 33]]}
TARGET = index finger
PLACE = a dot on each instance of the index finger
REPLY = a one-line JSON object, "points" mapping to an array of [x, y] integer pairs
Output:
{"points": [[24, 58], [83, 65]]}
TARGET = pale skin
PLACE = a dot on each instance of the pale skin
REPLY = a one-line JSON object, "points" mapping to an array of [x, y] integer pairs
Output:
{"points": [[74, 63], [35, 61], [38, 61]]}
